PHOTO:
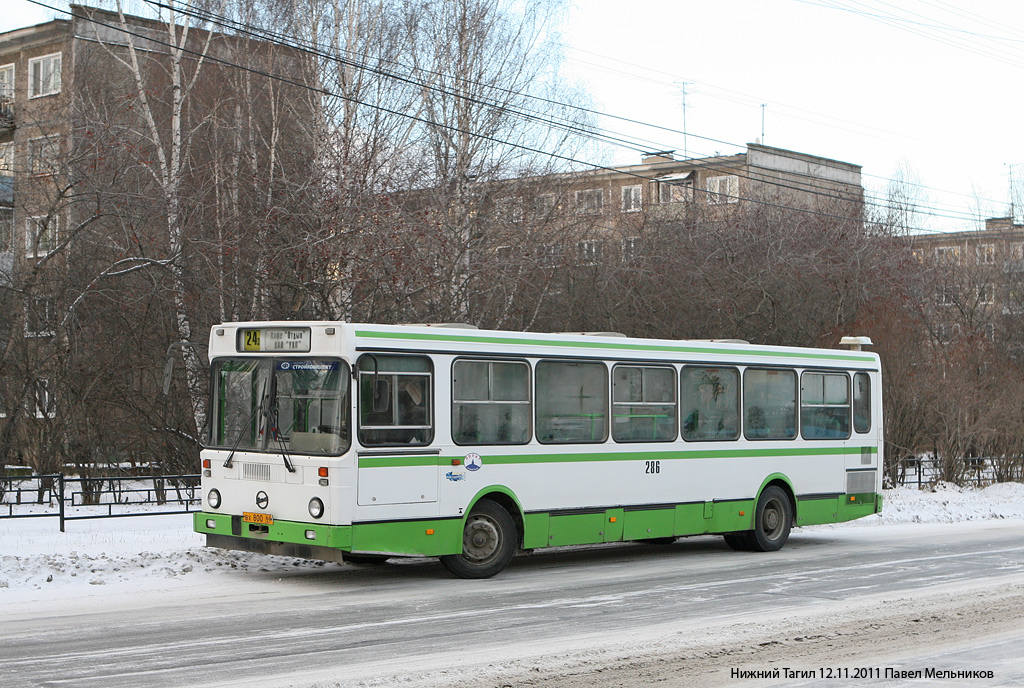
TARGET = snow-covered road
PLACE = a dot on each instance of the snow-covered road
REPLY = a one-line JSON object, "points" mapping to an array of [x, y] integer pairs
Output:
{"points": [[139, 602]]}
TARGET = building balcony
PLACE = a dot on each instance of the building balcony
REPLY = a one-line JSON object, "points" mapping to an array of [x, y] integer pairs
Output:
{"points": [[6, 113]]}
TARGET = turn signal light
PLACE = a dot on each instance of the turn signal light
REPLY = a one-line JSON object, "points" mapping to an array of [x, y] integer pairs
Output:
{"points": [[430, 531], [322, 471], [206, 463]]}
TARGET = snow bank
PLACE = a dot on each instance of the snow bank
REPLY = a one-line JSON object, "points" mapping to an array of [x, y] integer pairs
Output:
{"points": [[37, 559]]}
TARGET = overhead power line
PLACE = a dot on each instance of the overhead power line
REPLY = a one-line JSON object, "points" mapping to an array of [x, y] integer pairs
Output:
{"points": [[291, 43]]}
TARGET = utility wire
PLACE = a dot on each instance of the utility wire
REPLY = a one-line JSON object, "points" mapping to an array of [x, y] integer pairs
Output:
{"points": [[429, 122]]}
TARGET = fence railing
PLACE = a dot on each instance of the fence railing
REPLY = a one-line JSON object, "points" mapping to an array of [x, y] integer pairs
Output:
{"points": [[77, 499], [920, 471]]}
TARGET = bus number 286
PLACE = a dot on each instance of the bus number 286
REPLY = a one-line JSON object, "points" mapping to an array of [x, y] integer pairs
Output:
{"points": [[653, 467]]}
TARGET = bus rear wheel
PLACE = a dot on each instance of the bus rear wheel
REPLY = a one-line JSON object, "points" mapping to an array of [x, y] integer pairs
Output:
{"points": [[773, 520], [489, 541]]}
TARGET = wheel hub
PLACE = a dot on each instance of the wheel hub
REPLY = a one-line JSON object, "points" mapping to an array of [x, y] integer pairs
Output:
{"points": [[481, 538]]}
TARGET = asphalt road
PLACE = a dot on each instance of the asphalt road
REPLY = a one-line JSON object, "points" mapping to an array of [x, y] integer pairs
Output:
{"points": [[588, 609]]}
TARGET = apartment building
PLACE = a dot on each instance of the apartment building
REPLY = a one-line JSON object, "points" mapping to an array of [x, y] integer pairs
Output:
{"points": [[980, 278], [613, 204], [82, 154]]}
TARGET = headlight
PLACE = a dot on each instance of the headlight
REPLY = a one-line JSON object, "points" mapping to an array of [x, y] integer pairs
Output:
{"points": [[316, 507], [213, 499]]}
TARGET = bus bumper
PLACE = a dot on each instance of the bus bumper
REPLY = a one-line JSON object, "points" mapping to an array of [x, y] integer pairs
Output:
{"points": [[327, 542]]}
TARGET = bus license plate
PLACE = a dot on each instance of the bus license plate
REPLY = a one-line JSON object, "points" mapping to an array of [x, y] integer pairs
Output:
{"points": [[262, 519]]}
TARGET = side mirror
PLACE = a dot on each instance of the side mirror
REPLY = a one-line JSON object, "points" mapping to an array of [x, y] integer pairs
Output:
{"points": [[169, 366]]}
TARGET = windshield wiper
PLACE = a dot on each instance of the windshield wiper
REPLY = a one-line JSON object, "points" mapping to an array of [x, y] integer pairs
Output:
{"points": [[273, 421], [238, 440]]}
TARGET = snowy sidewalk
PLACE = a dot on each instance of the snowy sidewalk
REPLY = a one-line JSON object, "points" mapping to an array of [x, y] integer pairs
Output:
{"points": [[35, 557]]}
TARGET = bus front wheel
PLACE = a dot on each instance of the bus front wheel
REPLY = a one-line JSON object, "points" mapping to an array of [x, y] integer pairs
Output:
{"points": [[488, 542]]}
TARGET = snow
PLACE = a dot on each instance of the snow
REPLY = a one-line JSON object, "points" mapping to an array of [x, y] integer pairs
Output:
{"points": [[136, 553]]}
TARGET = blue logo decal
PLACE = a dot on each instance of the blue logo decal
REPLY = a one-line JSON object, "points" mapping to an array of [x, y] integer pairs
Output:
{"points": [[473, 462], [455, 477]]}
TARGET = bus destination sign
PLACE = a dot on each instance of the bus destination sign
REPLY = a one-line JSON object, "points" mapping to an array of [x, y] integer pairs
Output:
{"points": [[287, 340]]}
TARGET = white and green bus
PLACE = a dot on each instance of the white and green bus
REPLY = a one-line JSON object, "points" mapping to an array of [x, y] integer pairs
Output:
{"points": [[349, 442]]}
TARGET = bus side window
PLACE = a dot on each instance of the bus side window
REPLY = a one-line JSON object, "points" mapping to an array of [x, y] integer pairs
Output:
{"points": [[825, 406], [643, 403], [710, 403], [572, 402], [490, 402], [861, 402], [769, 404], [395, 400]]}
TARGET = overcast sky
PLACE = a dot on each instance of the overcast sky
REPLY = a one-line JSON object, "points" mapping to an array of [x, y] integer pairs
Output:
{"points": [[935, 93], [929, 89]]}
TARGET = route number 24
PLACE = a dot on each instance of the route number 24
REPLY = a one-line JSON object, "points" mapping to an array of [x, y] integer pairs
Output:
{"points": [[652, 467]]}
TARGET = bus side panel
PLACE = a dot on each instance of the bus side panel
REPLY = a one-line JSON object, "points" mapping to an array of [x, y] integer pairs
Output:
{"points": [[815, 510], [424, 537]]}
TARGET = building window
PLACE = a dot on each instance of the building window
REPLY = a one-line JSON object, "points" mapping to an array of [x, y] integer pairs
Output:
{"points": [[44, 75], [42, 400], [675, 191], [7, 92], [39, 317], [632, 198], [590, 251], [509, 209], [947, 255], [986, 254], [7, 82], [6, 159], [550, 255], [6, 229], [986, 294], [630, 248], [40, 236], [589, 201], [43, 154], [946, 295], [544, 205], [723, 189]]}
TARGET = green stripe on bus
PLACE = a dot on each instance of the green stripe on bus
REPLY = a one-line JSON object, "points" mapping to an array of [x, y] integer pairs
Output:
{"points": [[483, 339], [403, 461]]}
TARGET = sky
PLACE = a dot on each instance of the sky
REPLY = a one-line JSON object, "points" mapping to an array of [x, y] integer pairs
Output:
{"points": [[931, 96], [926, 91]]}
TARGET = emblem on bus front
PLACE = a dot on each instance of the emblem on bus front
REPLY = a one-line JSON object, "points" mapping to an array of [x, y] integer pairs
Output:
{"points": [[262, 500], [473, 462]]}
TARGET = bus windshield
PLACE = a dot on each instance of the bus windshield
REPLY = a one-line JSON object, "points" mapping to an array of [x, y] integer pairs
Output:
{"points": [[298, 406]]}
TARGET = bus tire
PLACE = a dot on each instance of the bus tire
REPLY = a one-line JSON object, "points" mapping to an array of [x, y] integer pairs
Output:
{"points": [[773, 520], [489, 541], [738, 541]]}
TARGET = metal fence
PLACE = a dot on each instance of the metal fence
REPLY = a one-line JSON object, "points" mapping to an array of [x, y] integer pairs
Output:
{"points": [[921, 471], [76, 499]]}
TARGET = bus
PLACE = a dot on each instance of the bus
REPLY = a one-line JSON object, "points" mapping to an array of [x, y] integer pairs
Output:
{"points": [[359, 442]]}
